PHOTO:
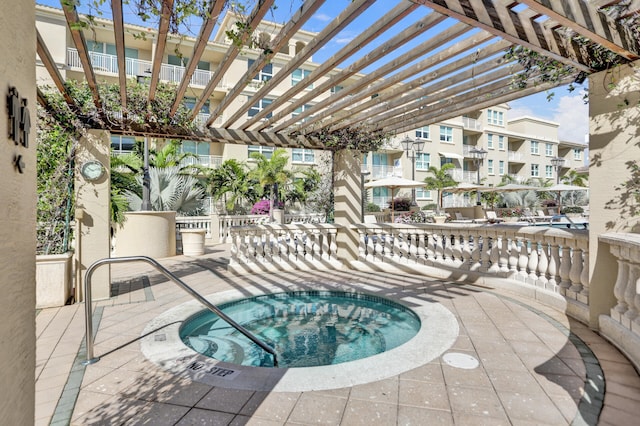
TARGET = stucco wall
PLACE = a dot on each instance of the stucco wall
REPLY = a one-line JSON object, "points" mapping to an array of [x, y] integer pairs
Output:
{"points": [[614, 145], [17, 221]]}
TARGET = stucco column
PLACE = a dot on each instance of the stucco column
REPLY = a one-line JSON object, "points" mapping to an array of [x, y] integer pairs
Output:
{"points": [[614, 147], [347, 202], [94, 216]]}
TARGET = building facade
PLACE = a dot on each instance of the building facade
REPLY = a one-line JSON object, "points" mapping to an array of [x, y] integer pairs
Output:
{"points": [[519, 148]]}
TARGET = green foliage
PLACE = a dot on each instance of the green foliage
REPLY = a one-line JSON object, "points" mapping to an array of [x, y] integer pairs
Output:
{"points": [[360, 139], [572, 209], [371, 208], [271, 172], [400, 204], [440, 179], [302, 187], [231, 183]]}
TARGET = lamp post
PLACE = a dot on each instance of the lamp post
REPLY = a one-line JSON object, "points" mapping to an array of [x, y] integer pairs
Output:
{"points": [[478, 155], [412, 149]]}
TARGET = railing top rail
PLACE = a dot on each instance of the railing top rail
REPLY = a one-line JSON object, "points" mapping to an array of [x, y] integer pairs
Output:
{"points": [[625, 239], [164, 271], [287, 227]]}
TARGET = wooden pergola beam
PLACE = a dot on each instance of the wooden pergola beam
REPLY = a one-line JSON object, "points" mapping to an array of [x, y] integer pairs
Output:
{"points": [[52, 68], [351, 12], [587, 21], [161, 43], [262, 7], [74, 25], [118, 32], [503, 22], [306, 11], [198, 50], [371, 33]]}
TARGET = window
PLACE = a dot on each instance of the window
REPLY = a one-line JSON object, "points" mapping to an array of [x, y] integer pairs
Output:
{"points": [[535, 170], [198, 148], [577, 154], [489, 141], [183, 61], [191, 103], [259, 106], [446, 134], [548, 150], [490, 167], [300, 110], [336, 89], [495, 117], [423, 132], [501, 143], [264, 74], [267, 151], [110, 49], [535, 147], [122, 144], [548, 171], [501, 168], [423, 161], [302, 155], [298, 75], [423, 194]]}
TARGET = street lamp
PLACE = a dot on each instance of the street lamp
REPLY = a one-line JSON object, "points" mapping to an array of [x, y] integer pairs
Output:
{"points": [[412, 149], [478, 155], [557, 163]]}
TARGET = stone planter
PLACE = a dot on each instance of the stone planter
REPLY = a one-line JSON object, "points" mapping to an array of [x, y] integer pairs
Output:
{"points": [[147, 233], [54, 284], [192, 241], [439, 219]]}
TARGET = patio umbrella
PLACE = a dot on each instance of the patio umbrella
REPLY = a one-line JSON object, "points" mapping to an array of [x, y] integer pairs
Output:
{"points": [[394, 183], [560, 187]]}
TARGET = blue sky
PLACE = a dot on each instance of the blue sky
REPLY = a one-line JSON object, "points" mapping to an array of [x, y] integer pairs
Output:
{"points": [[565, 108]]}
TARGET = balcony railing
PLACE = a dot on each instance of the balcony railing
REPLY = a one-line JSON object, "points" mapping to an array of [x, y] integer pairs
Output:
{"points": [[108, 64], [516, 157], [211, 161], [383, 171], [460, 175], [471, 124]]}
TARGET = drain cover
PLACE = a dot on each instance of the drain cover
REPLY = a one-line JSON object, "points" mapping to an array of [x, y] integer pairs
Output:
{"points": [[459, 360]]}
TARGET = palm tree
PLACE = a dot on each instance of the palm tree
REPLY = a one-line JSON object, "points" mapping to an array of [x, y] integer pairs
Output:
{"points": [[576, 178], [440, 179], [231, 182], [271, 172]]}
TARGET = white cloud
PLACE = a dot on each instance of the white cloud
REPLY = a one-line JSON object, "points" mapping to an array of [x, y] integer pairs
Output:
{"points": [[322, 17], [520, 111], [573, 116]]}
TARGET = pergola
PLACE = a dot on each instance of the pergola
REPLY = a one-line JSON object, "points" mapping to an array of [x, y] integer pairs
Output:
{"points": [[425, 85]]}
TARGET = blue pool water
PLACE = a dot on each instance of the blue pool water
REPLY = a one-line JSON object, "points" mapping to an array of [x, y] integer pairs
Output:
{"points": [[306, 328]]}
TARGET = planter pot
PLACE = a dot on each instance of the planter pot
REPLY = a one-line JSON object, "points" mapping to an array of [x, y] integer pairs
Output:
{"points": [[439, 219], [193, 241], [147, 233], [511, 219], [53, 280], [574, 215]]}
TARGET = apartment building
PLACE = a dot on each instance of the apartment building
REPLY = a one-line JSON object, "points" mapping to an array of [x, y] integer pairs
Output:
{"points": [[521, 147]]}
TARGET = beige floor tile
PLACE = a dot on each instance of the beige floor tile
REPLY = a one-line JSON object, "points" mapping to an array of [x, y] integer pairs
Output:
{"points": [[431, 372], [536, 408], [88, 401], [467, 419], [112, 383], [381, 391], [276, 406], [423, 416], [423, 394], [248, 421], [364, 413], [312, 408], [462, 377], [514, 381], [567, 406], [561, 385], [167, 388], [227, 400], [618, 417], [475, 401], [158, 414]]}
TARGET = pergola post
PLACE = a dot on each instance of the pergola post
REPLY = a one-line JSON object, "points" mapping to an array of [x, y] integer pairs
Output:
{"points": [[347, 202], [614, 125]]}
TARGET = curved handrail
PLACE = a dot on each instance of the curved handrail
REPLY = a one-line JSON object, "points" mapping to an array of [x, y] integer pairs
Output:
{"points": [[89, 309]]}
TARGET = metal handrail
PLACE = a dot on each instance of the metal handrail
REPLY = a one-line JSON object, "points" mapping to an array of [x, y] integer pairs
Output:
{"points": [[89, 308]]}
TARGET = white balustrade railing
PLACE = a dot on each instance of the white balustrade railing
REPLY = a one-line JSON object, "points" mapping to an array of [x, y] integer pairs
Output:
{"points": [[622, 324], [284, 244], [297, 218], [229, 221], [555, 260], [194, 222]]}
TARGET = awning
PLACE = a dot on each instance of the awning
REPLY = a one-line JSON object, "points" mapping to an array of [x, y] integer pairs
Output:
{"points": [[451, 155]]}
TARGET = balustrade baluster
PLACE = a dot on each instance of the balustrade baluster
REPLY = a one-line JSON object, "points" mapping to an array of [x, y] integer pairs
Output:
{"points": [[543, 265], [494, 256], [447, 246], [620, 288], [291, 246], [430, 248], [421, 254], [584, 276], [412, 240], [466, 252], [326, 238], [513, 258], [314, 246], [576, 270], [485, 253], [439, 255], [456, 251], [532, 264], [631, 291], [554, 261], [523, 258], [476, 255], [333, 246], [565, 268], [504, 254]]}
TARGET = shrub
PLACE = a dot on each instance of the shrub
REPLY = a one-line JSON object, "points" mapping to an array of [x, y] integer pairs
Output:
{"points": [[510, 213], [262, 207], [400, 204], [430, 206], [572, 209], [413, 217], [372, 207]]}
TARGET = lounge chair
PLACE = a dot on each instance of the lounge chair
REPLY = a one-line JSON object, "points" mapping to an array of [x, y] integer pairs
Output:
{"points": [[369, 218], [543, 217], [461, 219], [493, 217]]}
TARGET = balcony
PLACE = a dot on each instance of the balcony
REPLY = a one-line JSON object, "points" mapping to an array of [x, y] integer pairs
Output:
{"points": [[515, 157], [210, 161], [385, 170], [471, 124], [108, 64], [460, 175]]}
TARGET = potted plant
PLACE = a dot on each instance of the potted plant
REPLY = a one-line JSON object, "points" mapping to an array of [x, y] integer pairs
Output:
{"points": [[572, 211]]}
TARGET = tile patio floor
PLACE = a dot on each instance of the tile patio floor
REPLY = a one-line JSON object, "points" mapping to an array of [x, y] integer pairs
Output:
{"points": [[536, 366]]}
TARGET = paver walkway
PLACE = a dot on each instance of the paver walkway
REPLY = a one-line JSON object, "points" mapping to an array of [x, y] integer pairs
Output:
{"points": [[536, 366]]}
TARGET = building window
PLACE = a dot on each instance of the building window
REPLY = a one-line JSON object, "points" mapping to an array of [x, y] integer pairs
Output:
{"points": [[423, 132], [495, 117], [259, 106], [490, 167], [190, 103], [193, 147], [423, 194], [298, 75], [535, 170], [535, 147], [489, 141], [264, 74], [577, 154], [122, 144], [548, 150], [267, 151], [501, 168], [423, 161], [548, 172], [296, 112], [501, 143], [446, 134], [302, 155], [183, 61], [336, 89]]}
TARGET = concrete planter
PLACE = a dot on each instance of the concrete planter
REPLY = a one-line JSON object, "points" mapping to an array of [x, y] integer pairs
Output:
{"points": [[192, 241], [53, 280], [147, 233], [439, 219]]}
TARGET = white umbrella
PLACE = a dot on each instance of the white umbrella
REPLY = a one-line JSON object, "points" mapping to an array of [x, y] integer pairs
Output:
{"points": [[394, 183], [560, 187]]}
